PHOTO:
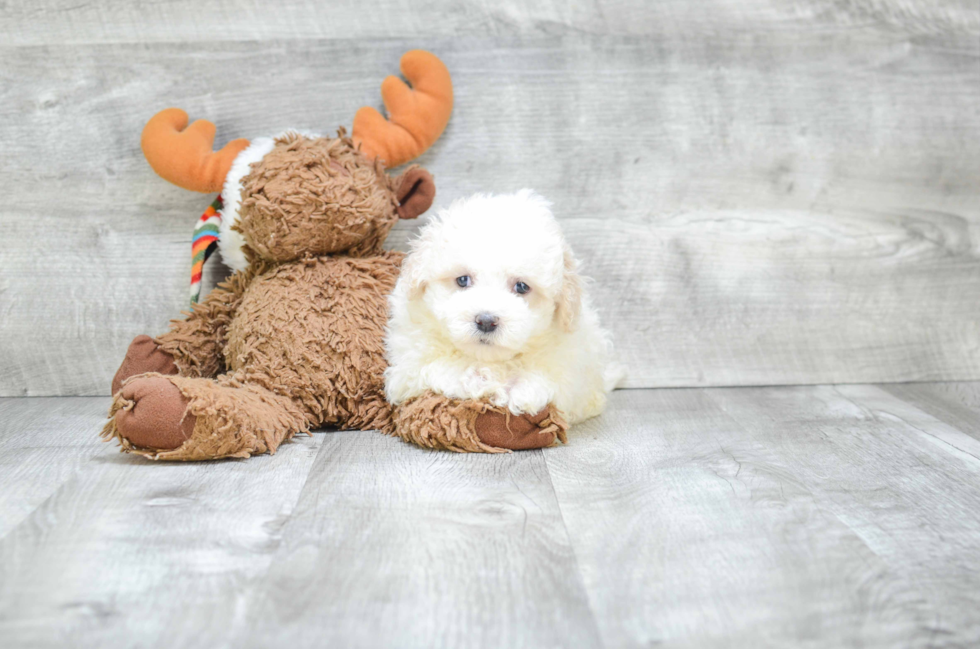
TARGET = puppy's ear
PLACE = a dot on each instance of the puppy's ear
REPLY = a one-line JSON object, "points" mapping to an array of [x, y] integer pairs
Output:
{"points": [[568, 305], [415, 191], [413, 275]]}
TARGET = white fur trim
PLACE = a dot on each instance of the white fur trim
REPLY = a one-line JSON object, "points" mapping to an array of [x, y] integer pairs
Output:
{"points": [[231, 242]]}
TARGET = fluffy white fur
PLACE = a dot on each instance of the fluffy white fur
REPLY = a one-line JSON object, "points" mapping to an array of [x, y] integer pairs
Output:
{"points": [[548, 346]]}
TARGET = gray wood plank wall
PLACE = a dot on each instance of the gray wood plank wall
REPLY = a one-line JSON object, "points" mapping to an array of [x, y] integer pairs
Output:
{"points": [[764, 192]]}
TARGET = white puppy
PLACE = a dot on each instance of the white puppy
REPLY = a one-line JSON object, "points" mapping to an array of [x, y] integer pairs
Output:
{"points": [[489, 305]]}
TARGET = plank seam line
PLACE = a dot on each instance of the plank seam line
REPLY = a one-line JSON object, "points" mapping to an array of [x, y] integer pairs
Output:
{"points": [[877, 412], [571, 546]]}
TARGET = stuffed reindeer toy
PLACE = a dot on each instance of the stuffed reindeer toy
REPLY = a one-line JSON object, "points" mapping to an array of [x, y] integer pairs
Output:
{"points": [[294, 339]]}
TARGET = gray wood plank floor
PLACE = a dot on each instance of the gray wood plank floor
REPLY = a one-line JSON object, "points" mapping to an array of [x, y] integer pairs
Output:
{"points": [[819, 516]]}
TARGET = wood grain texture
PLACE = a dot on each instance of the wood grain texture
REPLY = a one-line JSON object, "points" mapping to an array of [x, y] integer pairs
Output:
{"points": [[791, 200], [391, 545], [54, 22], [957, 404], [758, 517], [903, 482], [772, 517], [38, 454], [126, 552]]}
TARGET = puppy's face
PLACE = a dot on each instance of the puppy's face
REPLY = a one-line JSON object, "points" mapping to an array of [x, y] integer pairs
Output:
{"points": [[493, 273], [491, 313]]}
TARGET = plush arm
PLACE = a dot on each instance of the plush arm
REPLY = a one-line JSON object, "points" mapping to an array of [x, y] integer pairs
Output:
{"points": [[434, 421], [197, 342]]}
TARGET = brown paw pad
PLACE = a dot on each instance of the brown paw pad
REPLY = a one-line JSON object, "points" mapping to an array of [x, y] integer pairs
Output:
{"points": [[143, 356], [155, 414], [515, 432]]}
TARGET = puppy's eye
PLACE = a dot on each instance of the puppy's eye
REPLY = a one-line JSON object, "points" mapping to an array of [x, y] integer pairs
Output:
{"points": [[521, 288], [463, 281]]}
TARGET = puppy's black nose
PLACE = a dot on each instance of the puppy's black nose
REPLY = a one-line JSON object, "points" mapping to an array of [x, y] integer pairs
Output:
{"points": [[486, 322]]}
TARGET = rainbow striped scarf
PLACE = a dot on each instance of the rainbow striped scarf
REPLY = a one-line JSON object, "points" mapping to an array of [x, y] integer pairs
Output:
{"points": [[206, 234]]}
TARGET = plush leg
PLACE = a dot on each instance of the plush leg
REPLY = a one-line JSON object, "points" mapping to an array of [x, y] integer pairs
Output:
{"points": [[143, 356], [201, 419], [435, 421]]}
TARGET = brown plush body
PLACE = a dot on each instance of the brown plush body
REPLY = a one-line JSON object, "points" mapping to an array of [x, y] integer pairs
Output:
{"points": [[296, 341]]}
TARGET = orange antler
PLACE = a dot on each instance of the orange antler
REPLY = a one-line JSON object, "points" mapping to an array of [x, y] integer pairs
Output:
{"points": [[184, 156], [418, 115]]}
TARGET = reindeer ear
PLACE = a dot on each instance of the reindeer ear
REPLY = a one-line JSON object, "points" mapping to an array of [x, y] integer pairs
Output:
{"points": [[568, 305], [415, 193]]}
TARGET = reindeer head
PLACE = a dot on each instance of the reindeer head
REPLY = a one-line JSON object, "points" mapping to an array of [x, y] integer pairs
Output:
{"points": [[299, 195]]}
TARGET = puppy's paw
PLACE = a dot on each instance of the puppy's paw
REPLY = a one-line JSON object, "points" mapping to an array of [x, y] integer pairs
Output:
{"points": [[475, 381], [479, 383], [529, 395]]}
